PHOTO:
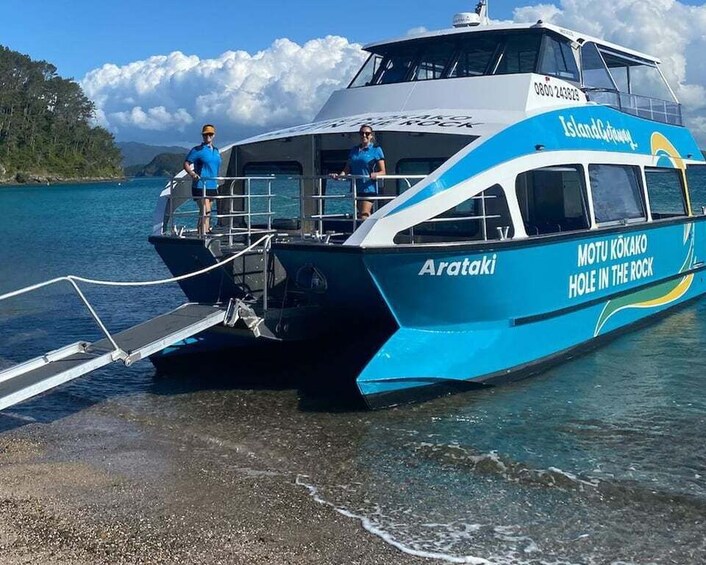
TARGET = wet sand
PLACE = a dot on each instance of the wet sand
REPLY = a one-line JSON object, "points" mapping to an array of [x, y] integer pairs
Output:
{"points": [[200, 477]]}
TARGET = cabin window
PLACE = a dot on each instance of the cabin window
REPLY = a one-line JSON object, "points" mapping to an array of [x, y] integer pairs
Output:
{"points": [[666, 192], [646, 80], [595, 73], [552, 199], [483, 217], [285, 202], [471, 54], [696, 181], [519, 54], [433, 61], [636, 76], [395, 68], [367, 72], [557, 59], [629, 83], [474, 56], [415, 167], [617, 195]]}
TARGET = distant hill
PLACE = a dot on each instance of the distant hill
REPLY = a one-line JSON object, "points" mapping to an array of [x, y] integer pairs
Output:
{"points": [[140, 154], [163, 165]]}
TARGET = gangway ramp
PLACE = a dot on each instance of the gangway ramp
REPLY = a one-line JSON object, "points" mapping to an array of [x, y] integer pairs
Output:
{"points": [[43, 373]]}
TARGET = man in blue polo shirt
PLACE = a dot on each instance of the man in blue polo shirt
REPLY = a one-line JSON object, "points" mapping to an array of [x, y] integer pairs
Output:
{"points": [[202, 164]]}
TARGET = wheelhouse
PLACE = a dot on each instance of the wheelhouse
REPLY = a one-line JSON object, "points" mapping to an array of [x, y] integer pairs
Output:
{"points": [[625, 79]]}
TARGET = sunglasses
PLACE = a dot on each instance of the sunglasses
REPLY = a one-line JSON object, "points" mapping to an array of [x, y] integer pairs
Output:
{"points": [[366, 133], [208, 134]]}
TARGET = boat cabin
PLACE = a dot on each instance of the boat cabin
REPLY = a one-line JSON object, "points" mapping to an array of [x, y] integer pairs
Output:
{"points": [[431, 99]]}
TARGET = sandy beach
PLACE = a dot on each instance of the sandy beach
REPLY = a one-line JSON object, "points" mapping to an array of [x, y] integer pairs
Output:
{"points": [[110, 483]]}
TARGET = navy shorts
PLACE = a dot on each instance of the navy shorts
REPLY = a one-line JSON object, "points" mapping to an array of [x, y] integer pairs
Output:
{"points": [[199, 192]]}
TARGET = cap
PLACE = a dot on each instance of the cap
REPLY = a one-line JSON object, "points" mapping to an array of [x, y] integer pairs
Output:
{"points": [[208, 128]]}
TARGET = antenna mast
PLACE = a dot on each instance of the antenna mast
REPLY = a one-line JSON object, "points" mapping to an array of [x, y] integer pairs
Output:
{"points": [[482, 11]]}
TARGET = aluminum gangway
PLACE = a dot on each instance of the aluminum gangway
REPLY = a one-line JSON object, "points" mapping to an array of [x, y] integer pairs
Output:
{"points": [[30, 378]]}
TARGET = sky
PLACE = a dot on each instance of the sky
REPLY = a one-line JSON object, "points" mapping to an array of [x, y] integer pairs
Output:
{"points": [[158, 70]]}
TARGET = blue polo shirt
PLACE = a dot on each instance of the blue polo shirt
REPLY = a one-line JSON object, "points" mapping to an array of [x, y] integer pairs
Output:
{"points": [[207, 163], [363, 161]]}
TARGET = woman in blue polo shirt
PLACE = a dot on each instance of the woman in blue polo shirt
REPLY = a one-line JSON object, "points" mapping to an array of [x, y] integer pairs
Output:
{"points": [[367, 160], [202, 165]]}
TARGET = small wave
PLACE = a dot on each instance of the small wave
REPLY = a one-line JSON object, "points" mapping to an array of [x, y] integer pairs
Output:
{"points": [[17, 416], [494, 464], [614, 492], [376, 530]]}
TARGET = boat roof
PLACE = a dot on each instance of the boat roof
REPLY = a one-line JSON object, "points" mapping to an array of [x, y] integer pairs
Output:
{"points": [[569, 34], [437, 120]]}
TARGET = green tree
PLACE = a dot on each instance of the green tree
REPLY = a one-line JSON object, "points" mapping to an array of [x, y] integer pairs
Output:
{"points": [[45, 124]]}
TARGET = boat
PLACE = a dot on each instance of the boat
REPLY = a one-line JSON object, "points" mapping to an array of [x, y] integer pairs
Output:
{"points": [[536, 204]]}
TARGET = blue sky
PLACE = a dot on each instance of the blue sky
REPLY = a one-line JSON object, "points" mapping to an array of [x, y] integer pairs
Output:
{"points": [[157, 70], [80, 35]]}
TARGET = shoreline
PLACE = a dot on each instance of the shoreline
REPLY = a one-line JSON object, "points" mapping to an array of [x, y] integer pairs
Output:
{"points": [[110, 483], [51, 181]]}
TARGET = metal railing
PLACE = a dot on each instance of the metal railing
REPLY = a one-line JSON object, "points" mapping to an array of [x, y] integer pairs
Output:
{"points": [[234, 210], [653, 109], [117, 353], [347, 218], [248, 206], [482, 218]]}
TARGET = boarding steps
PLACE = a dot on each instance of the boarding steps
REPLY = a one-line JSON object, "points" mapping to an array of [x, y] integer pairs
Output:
{"points": [[38, 375]]}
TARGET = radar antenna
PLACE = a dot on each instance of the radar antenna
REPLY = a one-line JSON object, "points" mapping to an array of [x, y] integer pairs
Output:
{"points": [[482, 11], [472, 19]]}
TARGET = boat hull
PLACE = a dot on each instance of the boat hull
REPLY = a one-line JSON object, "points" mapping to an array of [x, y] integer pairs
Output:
{"points": [[439, 319], [495, 313]]}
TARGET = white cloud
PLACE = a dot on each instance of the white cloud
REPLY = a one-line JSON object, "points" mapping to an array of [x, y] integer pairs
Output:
{"points": [[668, 29], [165, 98]]}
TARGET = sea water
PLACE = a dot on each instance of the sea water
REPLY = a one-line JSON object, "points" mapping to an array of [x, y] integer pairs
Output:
{"points": [[598, 460]]}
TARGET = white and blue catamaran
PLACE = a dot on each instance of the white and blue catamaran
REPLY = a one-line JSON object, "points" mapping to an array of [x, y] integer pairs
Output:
{"points": [[536, 201]]}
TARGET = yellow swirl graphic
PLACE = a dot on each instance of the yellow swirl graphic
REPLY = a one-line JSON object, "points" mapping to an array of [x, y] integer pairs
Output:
{"points": [[660, 294]]}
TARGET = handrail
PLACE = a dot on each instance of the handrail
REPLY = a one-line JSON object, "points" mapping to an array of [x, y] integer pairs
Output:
{"points": [[353, 196], [236, 211], [117, 352], [655, 109], [314, 219], [483, 217]]}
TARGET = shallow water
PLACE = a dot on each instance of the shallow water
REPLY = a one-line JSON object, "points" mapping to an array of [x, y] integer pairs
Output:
{"points": [[599, 460]]}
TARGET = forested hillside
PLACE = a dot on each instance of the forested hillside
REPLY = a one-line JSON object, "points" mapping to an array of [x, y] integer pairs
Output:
{"points": [[45, 131]]}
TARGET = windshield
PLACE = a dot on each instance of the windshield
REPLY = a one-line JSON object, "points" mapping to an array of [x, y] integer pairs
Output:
{"points": [[470, 54]]}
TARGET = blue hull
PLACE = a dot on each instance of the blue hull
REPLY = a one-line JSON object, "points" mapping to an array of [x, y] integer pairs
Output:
{"points": [[443, 318], [487, 314], [473, 313]]}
